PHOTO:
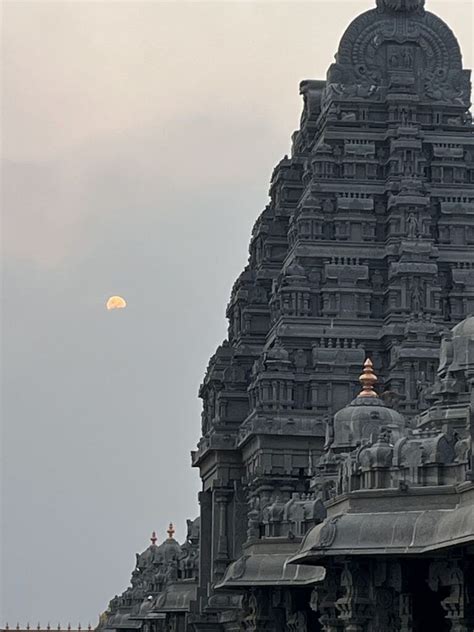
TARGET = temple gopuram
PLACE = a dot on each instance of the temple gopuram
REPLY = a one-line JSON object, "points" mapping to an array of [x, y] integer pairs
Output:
{"points": [[338, 415]]}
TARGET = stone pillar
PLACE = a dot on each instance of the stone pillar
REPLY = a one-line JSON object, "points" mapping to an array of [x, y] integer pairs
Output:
{"points": [[391, 598], [256, 616], [221, 556], [450, 574], [323, 602], [205, 546], [354, 607], [406, 612], [221, 508]]}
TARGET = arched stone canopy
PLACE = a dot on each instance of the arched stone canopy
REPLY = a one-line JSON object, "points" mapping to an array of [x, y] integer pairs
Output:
{"points": [[401, 5], [399, 46]]}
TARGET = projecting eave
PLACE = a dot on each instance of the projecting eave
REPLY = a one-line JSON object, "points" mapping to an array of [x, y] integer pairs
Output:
{"points": [[387, 534], [177, 597], [153, 616], [126, 622], [269, 569], [284, 427]]}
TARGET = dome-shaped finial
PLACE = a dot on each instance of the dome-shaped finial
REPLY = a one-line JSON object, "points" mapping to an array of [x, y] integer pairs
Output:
{"points": [[153, 538], [170, 531], [368, 379], [401, 5]]}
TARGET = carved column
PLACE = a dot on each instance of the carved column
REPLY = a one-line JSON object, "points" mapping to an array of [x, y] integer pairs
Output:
{"points": [[205, 546], [256, 615], [221, 499], [297, 622], [387, 586], [222, 545], [450, 574], [354, 606], [406, 612], [323, 601], [294, 619]]}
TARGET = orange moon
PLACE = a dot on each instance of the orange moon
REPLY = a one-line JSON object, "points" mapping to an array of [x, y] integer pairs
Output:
{"points": [[116, 302]]}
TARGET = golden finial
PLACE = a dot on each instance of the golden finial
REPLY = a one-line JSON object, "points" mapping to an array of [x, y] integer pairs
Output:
{"points": [[368, 379], [171, 531]]}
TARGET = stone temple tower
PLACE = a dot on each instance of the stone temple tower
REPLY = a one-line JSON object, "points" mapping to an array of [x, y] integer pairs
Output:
{"points": [[366, 248], [325, 507]]}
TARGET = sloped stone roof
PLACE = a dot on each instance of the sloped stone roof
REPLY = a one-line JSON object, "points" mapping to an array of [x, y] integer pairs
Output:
{"points": [[388, 533], [269, 569]]}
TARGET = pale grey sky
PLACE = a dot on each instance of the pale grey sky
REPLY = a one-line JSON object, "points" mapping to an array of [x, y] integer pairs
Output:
{"points": [[138, 143]]}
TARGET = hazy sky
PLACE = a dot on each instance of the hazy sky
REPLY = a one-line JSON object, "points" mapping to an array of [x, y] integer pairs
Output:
{"points": [[138, 143]]}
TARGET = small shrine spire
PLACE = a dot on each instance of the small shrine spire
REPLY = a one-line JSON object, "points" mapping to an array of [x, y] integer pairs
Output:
{"points": [[153, 538], [170, 531], [368, 380]]}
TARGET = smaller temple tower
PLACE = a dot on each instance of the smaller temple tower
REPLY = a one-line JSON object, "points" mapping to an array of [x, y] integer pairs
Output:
{"points": [[163, 585], [397, 540]]}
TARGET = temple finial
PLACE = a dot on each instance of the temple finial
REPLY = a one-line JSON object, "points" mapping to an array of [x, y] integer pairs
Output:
{"points": [[153, 538], [368, 379], [170, 531]]}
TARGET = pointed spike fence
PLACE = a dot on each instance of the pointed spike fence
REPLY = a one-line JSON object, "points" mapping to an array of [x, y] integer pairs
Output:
{"points": [[18, 627]]}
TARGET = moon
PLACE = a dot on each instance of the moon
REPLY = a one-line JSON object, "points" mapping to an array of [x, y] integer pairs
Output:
{"points": [[116, 302]]}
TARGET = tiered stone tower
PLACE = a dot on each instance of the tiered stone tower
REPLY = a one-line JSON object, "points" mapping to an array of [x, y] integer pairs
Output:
{"points": [[365, 249], [364, 257]]}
